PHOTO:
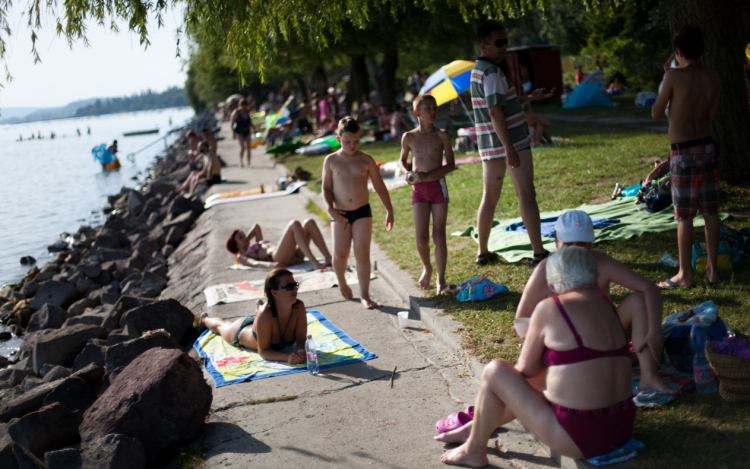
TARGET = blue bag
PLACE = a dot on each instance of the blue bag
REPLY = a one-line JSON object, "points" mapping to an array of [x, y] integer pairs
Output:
{"points": [[676, 330], [478, 289]]}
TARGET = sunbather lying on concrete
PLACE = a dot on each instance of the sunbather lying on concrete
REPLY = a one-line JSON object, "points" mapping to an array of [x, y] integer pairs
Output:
{"points": [[640, 313], [280, 322], [292, 247], [583, 407]]}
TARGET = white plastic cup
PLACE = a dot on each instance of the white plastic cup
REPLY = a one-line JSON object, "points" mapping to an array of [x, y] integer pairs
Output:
{"points": [[403, 319], [522, 326]]}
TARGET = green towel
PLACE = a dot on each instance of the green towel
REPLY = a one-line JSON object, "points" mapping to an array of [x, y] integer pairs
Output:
{"points": [[515, 246]]}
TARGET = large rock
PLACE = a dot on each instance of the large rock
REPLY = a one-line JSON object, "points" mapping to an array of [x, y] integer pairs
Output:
{"points": [[74, 394], [91, 319], [55, 373], [56, 293], [22, 404], [30, 289], [143, 284], [122, 354], [80, 306], [165, 314], [92, 353], [67, 458], [61, 346], [114, 451], [135, 203], [48, 428], [26, 459], [181, 205], [48, 317], [161, 398], [11, 377]]}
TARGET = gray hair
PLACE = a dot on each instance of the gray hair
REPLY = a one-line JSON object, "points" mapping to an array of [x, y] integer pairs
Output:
{"points": [[571, 267]]}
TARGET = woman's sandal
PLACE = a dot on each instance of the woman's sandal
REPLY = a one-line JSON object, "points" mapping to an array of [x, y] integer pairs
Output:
{"points": [[539, 258], [487, 258]]}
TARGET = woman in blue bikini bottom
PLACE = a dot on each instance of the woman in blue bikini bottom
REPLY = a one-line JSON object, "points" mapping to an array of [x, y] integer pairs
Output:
{"points": [[264, 332]]}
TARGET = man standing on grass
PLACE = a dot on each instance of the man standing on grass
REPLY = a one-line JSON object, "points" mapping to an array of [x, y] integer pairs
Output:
{"points": [[502, 135], [692, 93]]}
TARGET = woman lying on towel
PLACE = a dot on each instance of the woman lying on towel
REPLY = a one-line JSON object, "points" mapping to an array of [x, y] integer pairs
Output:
{"points": [[291, 249], [583, 407], [280, 322]]}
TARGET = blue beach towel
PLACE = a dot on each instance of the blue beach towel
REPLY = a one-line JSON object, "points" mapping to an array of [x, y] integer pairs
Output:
{"points": [[621, 454], [548, 225], [230, 365]]}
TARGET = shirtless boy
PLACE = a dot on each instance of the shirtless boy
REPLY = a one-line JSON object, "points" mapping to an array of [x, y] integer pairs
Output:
{"points": [[345, 175], [640, 312], [429, 194], [692, 94]]}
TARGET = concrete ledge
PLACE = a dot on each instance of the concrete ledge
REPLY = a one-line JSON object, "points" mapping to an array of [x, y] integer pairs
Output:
{"points": [[443, 326]]}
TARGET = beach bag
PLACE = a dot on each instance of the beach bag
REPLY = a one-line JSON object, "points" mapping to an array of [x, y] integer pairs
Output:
{"points": [[676, 330], [478, 289], [645, 99], [725, 260]]}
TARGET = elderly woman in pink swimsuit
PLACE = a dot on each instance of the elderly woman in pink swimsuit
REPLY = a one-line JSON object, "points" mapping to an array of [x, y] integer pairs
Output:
{"points": [[291, 249], [583, 407]]}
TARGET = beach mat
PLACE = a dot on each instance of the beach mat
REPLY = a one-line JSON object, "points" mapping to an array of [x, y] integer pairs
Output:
{"points": [[296, 268], [229, 365], [253, 289], [514, 246], [232, 197]]}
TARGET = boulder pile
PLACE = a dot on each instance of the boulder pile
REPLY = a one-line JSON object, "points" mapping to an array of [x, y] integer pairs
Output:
{"points": [[101, 379]]}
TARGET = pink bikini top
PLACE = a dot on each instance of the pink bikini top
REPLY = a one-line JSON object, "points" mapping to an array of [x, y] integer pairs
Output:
{"points": [[581, 353]]}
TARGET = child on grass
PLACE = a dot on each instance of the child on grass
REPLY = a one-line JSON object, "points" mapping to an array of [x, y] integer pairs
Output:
{"points": [[427, 144], [345, 176], [692, 93]]}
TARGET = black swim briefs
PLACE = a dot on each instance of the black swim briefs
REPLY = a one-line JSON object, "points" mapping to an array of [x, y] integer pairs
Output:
{"points": [[353, 215]]}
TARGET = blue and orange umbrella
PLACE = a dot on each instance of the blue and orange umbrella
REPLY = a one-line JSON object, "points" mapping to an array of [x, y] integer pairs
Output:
{"points": [[449, 82]]}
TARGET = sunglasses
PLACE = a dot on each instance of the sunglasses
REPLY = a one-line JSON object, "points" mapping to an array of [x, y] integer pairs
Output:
{"points": [[501, 42], [289, 286]]}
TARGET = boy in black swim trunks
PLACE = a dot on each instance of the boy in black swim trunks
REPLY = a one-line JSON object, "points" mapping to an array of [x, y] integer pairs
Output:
{"points": [[345, 176]]}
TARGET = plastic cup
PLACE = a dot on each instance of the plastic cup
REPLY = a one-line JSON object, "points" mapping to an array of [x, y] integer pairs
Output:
{"points": [[521, 326], [403, 319]]}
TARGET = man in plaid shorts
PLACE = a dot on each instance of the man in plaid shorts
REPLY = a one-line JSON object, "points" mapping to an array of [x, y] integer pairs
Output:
{"points": [[692, 93]]}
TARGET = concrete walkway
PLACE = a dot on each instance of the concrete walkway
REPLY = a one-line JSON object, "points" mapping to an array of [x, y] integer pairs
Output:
{"points": [[347, 416]]}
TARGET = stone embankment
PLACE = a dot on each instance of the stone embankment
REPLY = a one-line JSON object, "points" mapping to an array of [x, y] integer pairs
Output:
{"points": [[101, 378]]}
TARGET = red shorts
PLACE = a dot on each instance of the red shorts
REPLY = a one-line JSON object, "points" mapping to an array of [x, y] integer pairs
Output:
{"points": [[696, 182], [431, 192]]}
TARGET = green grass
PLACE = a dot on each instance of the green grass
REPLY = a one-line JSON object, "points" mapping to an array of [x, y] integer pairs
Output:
{"points": [[694, 431]]}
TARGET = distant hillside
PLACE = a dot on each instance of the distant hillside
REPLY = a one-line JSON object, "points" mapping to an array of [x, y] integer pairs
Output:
{"points": [[44, 114], [10, 112], [148, 100]]}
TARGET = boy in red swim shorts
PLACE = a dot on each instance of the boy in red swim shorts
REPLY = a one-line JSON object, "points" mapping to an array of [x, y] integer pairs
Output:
{"points": [[427, 144], [692, 93]]}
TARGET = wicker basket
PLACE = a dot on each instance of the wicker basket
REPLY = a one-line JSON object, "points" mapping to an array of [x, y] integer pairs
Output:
{"points": [[733, 373]]}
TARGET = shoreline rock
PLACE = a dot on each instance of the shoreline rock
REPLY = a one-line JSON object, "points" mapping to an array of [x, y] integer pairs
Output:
{"points": [[84, 314]]}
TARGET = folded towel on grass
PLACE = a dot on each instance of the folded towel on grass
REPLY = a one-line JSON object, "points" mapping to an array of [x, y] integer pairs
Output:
{"points": [[229, 365]]}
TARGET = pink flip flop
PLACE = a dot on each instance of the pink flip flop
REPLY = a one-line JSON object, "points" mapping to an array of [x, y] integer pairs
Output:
{"points": [[455, 421]]}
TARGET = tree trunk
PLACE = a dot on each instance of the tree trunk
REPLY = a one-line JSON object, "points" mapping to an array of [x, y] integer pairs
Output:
{"points": [[725, 33], [300, 82], [387, 76], [359, 81], [320, 80]]}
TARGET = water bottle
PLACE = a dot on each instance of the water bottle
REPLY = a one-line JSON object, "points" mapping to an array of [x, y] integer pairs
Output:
{"points": [[311, 351], [705, 379]]}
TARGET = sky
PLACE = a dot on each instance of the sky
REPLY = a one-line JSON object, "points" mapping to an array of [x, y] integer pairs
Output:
{"points": [[113, 65]]}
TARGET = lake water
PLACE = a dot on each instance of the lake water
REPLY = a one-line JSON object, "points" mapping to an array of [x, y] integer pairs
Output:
{"points": [[53, 186]]}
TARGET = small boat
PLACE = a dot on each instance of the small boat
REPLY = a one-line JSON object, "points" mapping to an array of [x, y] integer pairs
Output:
{"points": [[140, 132]]}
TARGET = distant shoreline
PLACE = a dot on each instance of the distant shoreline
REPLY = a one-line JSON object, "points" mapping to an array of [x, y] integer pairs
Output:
{"points": [[2, 122]]}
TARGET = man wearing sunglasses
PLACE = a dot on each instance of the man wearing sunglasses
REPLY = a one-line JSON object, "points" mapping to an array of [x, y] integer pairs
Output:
{"points": [[503, 138]]}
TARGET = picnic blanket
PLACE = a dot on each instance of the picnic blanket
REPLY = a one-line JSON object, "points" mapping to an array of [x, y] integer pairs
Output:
{"points": [[229, 365], [238, 196], [514, 246], [296, 268], [253, 289]]}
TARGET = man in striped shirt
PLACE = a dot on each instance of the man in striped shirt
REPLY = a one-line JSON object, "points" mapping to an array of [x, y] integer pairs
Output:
{"points": [[503, 136]]}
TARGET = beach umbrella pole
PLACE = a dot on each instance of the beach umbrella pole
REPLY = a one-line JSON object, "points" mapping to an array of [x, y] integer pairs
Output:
{"points": [[468, 114]]}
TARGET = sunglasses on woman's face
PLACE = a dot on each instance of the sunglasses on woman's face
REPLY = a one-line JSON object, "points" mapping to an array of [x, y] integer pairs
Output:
{"points": [[289, 286], [501, 42]]}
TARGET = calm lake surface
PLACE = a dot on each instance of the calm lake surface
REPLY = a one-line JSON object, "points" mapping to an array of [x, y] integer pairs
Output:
{"points": [[54, 186]]}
